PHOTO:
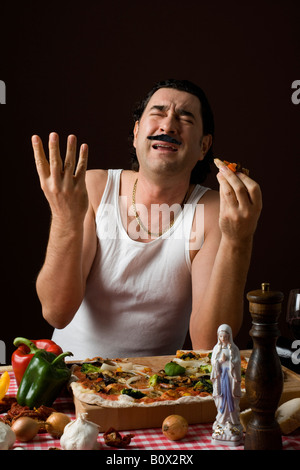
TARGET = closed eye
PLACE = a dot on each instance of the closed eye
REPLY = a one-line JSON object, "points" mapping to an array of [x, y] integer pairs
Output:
{"points": [[187, 120]]}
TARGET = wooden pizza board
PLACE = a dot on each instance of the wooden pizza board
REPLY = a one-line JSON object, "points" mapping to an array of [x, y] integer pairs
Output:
{"points": [[152, 417]]}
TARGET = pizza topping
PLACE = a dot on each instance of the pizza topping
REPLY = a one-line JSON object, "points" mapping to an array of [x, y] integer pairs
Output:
{"points": [[236, 167], [204, 384], [109, 365], [88, 368], [186, 355], [172, 368], [137, 394], [154, 380]]}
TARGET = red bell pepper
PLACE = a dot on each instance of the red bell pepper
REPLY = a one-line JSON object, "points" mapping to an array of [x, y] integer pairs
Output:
{"points": [[26, 350]]}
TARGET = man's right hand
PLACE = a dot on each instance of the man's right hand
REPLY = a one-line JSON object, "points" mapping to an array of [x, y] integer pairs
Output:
{"points": [[63, 184]]}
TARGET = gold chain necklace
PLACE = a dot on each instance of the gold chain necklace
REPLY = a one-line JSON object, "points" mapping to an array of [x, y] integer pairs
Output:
{"points": [[159, 234]]}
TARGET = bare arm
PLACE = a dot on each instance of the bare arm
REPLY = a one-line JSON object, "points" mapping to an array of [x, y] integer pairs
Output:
{"points": [[72, 239], [219, 270]]}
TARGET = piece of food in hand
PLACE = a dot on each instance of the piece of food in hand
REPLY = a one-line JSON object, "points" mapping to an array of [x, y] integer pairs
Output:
{"points": [[113, 438], [236, 167], [4, 384], [175, 427]]}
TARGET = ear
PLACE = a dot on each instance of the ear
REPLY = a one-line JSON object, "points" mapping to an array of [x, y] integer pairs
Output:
{"points": [[135, 132], [206, 143]]}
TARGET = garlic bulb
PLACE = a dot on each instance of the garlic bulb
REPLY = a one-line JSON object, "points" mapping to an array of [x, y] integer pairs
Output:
{"points": [[7, 436], [80, 434]]}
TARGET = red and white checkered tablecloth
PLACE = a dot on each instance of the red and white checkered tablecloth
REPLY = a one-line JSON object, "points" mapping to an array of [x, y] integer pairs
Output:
{"points": [[197, 438]]}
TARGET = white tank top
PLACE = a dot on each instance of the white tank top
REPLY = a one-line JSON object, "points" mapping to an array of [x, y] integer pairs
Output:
{"points": [[138, 295]]}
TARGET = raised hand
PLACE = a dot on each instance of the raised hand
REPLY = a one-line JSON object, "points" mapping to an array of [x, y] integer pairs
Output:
{"points": [[63, 183]]}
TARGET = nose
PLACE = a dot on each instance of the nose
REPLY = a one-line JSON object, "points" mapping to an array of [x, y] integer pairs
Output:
{"points": [[169, 125]]}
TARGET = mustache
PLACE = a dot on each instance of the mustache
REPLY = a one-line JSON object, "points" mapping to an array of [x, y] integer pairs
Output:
{"points": [[164, 138]]}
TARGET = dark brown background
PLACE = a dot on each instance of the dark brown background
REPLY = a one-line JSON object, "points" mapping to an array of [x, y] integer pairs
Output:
{"points": [[80, 70]]}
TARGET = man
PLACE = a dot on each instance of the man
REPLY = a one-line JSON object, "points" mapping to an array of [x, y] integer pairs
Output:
{"points": [[123, 277]]}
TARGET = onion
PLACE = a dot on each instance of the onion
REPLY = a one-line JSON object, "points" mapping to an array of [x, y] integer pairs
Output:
{"points": [[126, 366], [175, 427], [26, 428], [56, 423], [108, 366], [135, 379]]}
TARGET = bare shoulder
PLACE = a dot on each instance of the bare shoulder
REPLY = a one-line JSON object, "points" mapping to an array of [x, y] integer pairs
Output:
{"points": [[211, 198], [211, 201], [207, 227], [95, 182]]}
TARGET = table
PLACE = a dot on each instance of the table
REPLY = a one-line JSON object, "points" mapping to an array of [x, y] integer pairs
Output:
{"points": [[198, 437]]}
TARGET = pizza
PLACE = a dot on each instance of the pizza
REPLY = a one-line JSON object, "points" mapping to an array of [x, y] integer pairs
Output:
{"points": [[122, 383], [236, 167]]}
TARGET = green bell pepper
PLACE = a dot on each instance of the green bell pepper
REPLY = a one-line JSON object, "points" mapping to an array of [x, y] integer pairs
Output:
{"points": [[43, 379]]}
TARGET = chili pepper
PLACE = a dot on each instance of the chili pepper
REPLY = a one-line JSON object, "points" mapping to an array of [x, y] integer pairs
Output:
{"points": [[26, 349], [43, 380]]}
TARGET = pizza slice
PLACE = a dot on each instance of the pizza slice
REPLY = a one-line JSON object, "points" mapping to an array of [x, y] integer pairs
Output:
{"points": [[236, 167]]}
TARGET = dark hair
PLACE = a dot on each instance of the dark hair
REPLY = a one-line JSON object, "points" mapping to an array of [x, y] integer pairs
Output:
{"points": [[202, 168]]}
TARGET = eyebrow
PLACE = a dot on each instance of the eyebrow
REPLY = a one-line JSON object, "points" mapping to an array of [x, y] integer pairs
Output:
{"points": [[179, 111]]}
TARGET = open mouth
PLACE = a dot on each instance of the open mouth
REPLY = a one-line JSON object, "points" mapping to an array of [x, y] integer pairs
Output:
{"points": [[165, 143], [168, 147]]}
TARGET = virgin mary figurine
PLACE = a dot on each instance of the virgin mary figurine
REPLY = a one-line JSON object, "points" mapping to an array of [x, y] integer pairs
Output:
{"points": [[226, 379]]}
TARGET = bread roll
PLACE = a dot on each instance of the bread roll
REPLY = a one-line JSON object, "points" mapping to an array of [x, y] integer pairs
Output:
{"points": [[288, 416], [245, 417]]}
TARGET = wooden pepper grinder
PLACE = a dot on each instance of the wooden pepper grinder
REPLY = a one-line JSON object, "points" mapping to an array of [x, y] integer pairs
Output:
{"points": [[264, 377]]}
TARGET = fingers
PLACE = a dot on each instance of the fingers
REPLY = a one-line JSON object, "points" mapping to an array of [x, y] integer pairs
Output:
{"points": [[253, 189], [237, 188], [41, 162], [55, 165], [54, 154], [70, 159], [82, 161]]}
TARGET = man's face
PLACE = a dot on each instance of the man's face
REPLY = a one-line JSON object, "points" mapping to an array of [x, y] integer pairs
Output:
{"points": [[175, 116]]}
